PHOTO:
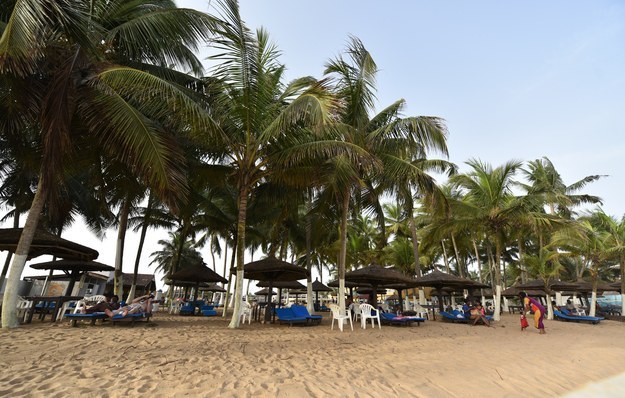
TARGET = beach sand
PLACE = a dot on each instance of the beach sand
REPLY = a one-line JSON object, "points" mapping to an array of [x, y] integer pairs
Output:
{"points": [[200, 357]]}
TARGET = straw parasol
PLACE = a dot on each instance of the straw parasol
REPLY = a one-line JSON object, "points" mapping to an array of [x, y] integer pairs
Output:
{"points": [[440, 280], [272, 270], [376, 275], [197, 273], [211, 287], [319, 287], [46, 243], [72, 268]]}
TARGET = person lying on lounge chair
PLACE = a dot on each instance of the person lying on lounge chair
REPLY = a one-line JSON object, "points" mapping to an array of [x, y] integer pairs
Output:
{"points": [[111, 303], [140, 304]]}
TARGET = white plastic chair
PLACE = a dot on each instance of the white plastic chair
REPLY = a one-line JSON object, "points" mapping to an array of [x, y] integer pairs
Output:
{"points": [[421, 312], [340, 316], [23, 306], [82, 304], [355, 308], [366, 312], [246, 312]]}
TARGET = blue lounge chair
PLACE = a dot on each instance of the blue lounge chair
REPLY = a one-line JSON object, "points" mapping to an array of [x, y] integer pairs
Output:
{"points": [[74, 318], [286, 315], [132, 318], [455, 316], [392, 319], [208, 310], [566, 316], [302, 312]]}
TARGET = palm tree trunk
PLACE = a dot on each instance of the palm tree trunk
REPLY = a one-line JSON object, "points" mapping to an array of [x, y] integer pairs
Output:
{"points": [[7, 262], [309, 291], [460, 265], [343, 250], [222, 297], [521, 267], [497, 292], [415, 252], [9, 301], [622, 267], [238, 287], [593, 300], [118, 279], [447, 269], [144, 230], [479, 270]]}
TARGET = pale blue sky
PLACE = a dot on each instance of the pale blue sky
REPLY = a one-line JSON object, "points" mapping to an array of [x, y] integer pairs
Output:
{"points": [[513, 80]]}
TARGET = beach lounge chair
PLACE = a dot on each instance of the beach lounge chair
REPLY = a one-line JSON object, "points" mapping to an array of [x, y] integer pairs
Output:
{"points": [[74, 318], [566, 316], [208, 310], [132, 318], [301, 311], [393, 319], [368, 312], [340, 316], [455, 316], [187, 309], [286, 315]]}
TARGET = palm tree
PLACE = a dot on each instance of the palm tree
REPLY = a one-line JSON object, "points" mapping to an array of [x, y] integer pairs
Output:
{"points": [[545, 182], [615, 241], [490, 204], [259, 117], [389, 146], [546, 266], [96, 68]]}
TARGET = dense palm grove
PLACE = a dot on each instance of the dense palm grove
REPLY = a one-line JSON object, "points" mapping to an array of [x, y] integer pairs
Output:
{"points": [[108, 115]]}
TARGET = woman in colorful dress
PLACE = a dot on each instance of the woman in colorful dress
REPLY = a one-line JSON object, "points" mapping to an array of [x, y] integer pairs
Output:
{"points": [[538, 309]]}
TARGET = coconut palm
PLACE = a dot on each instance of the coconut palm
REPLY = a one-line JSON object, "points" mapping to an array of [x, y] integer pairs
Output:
{"points": [[490, 204], [97, 69], [615, 241], [261, 119], [389, 145], [546, 183]]}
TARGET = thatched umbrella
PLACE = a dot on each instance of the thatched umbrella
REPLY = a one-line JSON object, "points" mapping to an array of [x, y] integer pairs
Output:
{"points": [[73, 268], [282, 285], [376, 276], [319, 287], [211, 287], [265, 292], [197, 273], [439, 280], [46, 243], [272, 270]]}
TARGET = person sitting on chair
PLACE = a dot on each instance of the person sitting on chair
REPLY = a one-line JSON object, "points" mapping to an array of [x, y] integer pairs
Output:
{"points": [[478, 313], [140, 304]]}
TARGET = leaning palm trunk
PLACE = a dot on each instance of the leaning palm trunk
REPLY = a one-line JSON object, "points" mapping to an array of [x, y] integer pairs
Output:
{"points": [[9, 302], [7, 262], [118, 279], [238, 287], [144, 230]]}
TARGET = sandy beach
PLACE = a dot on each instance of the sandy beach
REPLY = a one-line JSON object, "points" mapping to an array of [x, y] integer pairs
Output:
{"points": [[201, 357]]}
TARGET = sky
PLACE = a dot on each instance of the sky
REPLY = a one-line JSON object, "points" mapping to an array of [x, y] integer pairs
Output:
{"points": [[513, 80]]}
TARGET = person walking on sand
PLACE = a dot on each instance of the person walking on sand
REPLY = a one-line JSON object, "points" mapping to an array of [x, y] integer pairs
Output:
{"points": [[539, 311]]}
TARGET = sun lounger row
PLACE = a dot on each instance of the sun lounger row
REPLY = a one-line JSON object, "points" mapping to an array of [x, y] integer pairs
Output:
{"points": [[393, 319], [297, 314], [566, 316], [456, 316], [93, 317]]}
